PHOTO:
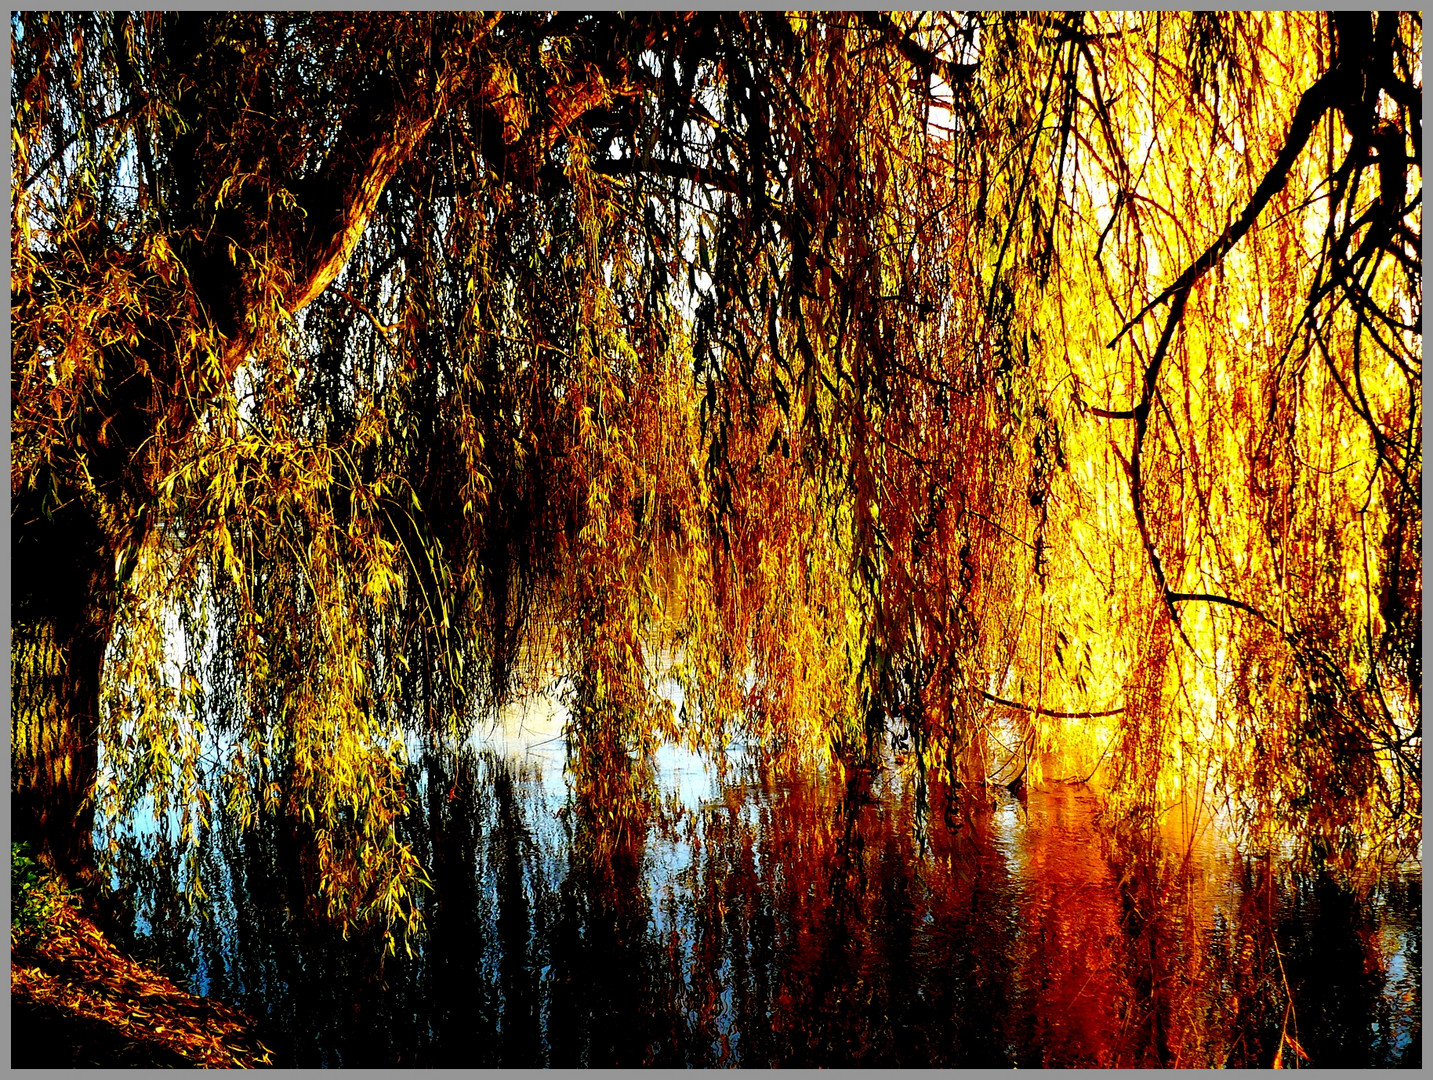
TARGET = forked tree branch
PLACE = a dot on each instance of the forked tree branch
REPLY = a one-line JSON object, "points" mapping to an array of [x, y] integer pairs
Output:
{"points": [[1312, 105]]}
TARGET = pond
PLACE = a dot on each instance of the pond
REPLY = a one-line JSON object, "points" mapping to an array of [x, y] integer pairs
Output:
{"points": [[749, 916]]}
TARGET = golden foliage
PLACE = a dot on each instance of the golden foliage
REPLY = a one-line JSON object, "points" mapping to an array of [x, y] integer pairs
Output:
{"points": [[1043, 389], [75, 974]]}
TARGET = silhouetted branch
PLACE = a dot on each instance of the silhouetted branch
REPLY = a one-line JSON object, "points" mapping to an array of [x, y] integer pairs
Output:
{"points": [[1039, 711], [1315, 101]]}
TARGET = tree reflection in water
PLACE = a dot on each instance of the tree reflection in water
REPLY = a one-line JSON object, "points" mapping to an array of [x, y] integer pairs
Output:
{"points": [[793, 920]]}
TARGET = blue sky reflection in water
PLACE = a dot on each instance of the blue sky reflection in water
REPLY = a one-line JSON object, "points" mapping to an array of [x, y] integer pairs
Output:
{"points": [[760, 918]]}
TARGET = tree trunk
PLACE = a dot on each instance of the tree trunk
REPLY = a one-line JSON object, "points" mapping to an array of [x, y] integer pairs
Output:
{"points": [[64, 582]]}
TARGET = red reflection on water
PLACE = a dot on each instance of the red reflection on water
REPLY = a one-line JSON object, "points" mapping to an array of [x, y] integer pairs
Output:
{"points": [[1072, 940]]}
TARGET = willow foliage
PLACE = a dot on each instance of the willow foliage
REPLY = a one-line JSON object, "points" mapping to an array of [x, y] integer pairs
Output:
{"points": [[1043, 389]]}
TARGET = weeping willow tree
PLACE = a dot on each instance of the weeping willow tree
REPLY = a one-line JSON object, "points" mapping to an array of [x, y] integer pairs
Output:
{"points": [[1043, 389]]}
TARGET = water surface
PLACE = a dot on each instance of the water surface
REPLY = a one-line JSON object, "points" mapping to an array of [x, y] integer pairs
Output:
{"points": [[763, 917]]}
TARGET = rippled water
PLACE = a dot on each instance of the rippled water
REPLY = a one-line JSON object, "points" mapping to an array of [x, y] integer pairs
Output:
{"points": [[762, 918]]}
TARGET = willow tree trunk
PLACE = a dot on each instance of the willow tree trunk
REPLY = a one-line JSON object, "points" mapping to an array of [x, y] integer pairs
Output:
{"points": [[61, 620]]}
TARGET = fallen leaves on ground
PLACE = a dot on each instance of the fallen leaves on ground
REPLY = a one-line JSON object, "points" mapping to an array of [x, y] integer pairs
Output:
{"points": [[91, 1005]]}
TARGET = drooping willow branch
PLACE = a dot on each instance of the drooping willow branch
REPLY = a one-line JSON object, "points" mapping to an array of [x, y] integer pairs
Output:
{"points": [[1315, 100], [1213, 598], [1312, 105], [722, 180], [1041, 711]]}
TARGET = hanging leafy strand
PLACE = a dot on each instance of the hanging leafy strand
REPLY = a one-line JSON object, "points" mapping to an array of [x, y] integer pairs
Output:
{"points": [[1041, 389]]}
